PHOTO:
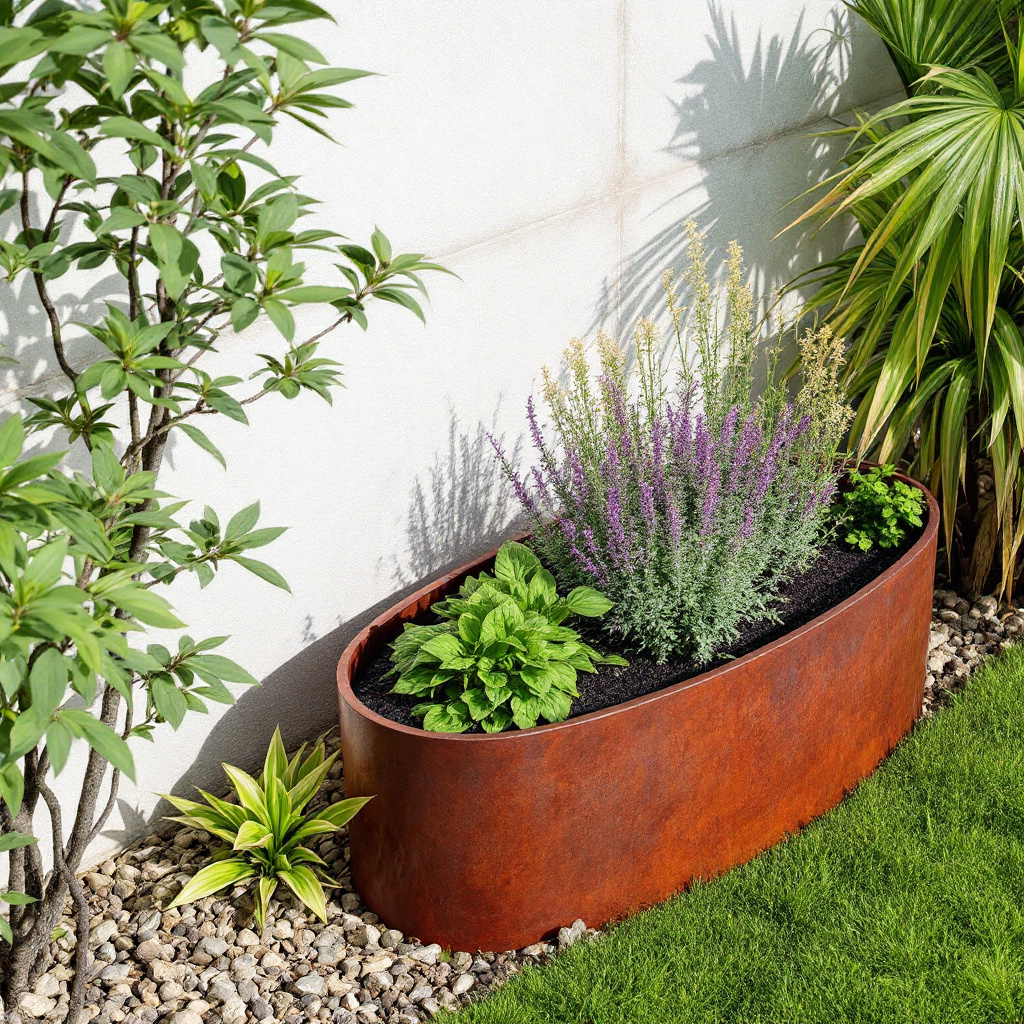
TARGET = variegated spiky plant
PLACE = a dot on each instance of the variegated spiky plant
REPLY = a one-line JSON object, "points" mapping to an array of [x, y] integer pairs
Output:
{"points": [[266, 829]]}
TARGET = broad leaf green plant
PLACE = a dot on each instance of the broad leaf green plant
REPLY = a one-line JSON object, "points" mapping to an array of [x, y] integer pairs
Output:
{"points": [[501, 655], [265, 828], [134, 144], [879, 509], [932, 299]]}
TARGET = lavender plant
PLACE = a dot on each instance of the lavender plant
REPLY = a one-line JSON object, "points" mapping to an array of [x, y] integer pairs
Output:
{"points": [[688, 502]]}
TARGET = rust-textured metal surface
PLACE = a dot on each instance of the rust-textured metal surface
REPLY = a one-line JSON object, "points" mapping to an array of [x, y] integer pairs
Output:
{"points": [[492, 841]]}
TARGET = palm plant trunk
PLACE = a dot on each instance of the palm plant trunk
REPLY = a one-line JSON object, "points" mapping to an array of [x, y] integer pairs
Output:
{"points": [[976, 536], [978, 576]]}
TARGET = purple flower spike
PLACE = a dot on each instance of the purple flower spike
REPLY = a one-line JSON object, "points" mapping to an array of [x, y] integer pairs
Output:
{"points": [[680, 432], [750, 439], [568, 528], [674, 526], [542, 486], [525, 498], [702, 453], [590, 560], [748, 524], [618, 402], [587, 565], [522, 494], [535, 434], [729, 424], [770, 469], [579, 490], [496, 445], [711, 502], [579, 479], [616, 531], [647, 506], [611, 463], [799, 428]]}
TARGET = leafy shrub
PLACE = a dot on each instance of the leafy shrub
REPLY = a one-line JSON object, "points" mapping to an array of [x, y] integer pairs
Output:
{"points": [[501, 656], [266, 829], [194, 233], [879, 509], [690, 506]]}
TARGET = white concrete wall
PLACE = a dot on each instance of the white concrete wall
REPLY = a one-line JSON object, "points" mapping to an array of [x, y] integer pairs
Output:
{"points": [[546, 151]]}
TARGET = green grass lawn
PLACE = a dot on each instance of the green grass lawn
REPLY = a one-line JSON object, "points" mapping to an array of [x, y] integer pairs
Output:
{"points": [[904, 904]]}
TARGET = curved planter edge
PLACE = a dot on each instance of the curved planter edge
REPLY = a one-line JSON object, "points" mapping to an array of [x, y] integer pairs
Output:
{"points": [[493, 841]]}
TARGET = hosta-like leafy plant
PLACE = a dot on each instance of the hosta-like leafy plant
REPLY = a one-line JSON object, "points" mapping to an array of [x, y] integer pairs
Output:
{"points": [[267, 829], [879, 509], [502, 655]]}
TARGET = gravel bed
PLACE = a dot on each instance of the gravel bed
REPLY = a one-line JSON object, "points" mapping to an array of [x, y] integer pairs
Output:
{"points": [[962, 635], [204, 963]]}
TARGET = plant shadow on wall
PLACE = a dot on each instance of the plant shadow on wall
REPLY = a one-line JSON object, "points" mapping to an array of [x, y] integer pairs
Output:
{"points": [[460, 508], [735, 122]]}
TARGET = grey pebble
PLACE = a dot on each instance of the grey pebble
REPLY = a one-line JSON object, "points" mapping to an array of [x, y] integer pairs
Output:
{"points": [[311, 984], [260, 1008]]}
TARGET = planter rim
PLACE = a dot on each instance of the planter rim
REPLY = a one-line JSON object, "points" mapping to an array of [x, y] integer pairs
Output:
{"points": [[358, 642]]}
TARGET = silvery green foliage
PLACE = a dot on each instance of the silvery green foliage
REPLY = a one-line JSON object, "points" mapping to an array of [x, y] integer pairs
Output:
{"points": [[689, 502]]}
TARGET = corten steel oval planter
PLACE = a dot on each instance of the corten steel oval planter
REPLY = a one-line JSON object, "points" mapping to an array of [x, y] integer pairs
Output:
{"points": [[493, 841]]}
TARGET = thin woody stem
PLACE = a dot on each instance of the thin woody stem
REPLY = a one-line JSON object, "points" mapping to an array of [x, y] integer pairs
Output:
{"points": [[133, 275], [51, 223], [201, 409], [40, 283], [81, 907], [115, 779], [95, 770]]}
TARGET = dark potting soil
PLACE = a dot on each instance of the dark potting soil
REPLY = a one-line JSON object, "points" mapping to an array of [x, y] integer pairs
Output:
{"points": [[838, 573]]}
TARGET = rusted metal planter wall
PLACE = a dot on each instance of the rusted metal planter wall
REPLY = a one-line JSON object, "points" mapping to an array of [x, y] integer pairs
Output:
{"points": [[492, 841]]}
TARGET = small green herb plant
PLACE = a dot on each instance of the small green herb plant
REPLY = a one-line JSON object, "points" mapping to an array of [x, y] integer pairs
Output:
{"points": [[266, 829], [879, 509], [501, 656]]}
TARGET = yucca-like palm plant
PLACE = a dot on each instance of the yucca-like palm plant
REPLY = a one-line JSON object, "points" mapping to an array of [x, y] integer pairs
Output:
{"points": [[921, 34], [265, 831], [932, 299]]}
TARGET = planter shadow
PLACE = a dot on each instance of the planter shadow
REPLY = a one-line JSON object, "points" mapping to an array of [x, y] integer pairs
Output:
{"points": [[493, 841]]}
